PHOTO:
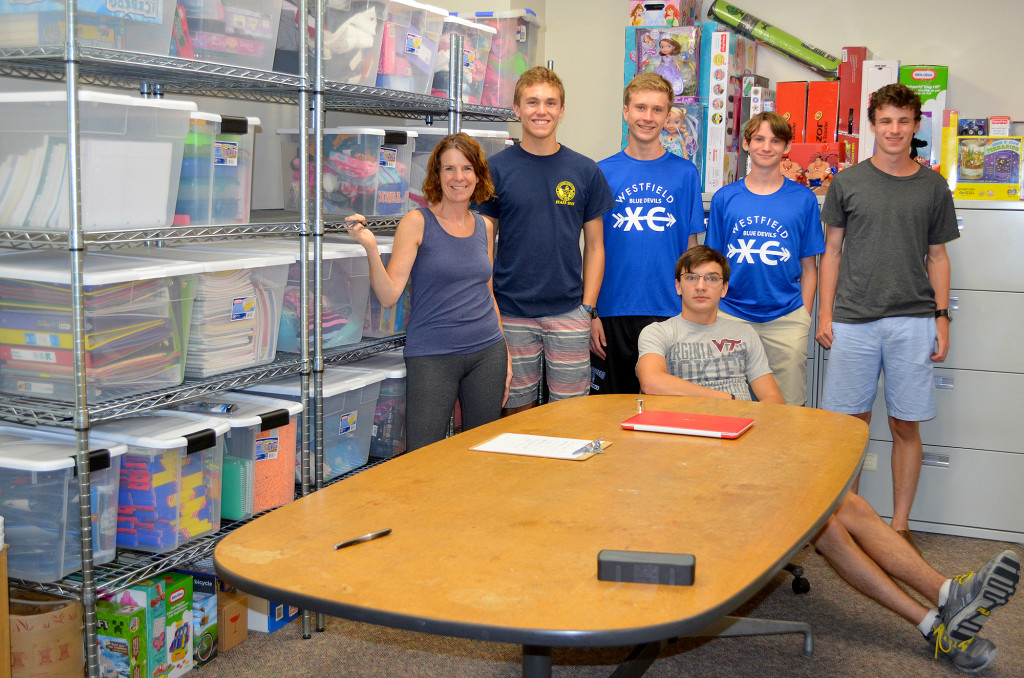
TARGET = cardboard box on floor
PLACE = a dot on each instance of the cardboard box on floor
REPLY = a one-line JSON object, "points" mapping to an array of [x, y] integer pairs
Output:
{"points": [[232, 620], [268, 615]]}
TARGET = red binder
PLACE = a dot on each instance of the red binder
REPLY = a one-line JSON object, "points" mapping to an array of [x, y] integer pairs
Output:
{"points": [[685, 423]]}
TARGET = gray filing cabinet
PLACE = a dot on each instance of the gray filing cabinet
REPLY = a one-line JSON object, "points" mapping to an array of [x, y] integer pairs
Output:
{"points": [[971, 481]]}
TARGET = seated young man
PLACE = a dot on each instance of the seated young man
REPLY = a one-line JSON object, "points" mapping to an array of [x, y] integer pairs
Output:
{"points": [[698, 354]]}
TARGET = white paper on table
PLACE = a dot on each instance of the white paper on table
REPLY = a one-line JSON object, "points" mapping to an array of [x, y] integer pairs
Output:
{"points": [[576, 449]]}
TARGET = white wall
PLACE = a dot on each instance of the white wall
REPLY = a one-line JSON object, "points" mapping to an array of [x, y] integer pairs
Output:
{"points": [[980, 43]]}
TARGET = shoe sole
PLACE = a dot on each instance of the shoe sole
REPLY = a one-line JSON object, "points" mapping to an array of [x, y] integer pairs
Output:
{"points": [[988, 662], [997, 588]]}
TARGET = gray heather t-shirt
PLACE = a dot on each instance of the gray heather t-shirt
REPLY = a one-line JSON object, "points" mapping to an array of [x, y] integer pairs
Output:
{"points": [[890, 222], [726, 355]]}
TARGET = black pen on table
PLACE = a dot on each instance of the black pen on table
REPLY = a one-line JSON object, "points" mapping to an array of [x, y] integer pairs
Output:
{"points": [[366, 537]]}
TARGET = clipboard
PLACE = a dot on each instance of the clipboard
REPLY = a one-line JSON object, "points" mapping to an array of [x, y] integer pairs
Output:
{"points": [[552, 447], [683, 423]]}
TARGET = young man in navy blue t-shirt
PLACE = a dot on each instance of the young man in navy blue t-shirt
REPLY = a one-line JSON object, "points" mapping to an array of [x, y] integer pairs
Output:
{"points": [[546, 195]]}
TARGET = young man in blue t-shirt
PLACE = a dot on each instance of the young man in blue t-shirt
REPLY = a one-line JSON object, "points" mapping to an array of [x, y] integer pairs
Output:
{"points": [[546, 195], [770, 229], [657, 216]]}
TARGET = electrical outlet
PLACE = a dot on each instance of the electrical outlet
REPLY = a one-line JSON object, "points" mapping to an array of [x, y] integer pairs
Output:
{"points": [[870, 462]]}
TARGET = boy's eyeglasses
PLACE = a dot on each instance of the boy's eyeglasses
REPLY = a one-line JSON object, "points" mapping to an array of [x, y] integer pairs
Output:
{"points": [[709, 278]]}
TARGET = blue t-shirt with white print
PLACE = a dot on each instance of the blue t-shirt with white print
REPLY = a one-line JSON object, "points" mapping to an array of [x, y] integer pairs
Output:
{"points": [[657, 207]]}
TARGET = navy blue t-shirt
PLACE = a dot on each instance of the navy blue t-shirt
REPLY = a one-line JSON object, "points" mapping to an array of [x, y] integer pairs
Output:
{"points": [[541, 203]]}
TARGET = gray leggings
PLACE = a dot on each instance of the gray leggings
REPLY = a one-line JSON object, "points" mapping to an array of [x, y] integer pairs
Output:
{"points": [[434, 381]]}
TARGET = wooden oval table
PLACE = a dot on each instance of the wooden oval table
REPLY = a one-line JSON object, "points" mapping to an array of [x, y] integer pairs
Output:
{"points": [[504, 548]]}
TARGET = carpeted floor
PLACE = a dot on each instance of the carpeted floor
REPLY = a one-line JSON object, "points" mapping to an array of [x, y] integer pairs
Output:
{"points": [[853, 637]]}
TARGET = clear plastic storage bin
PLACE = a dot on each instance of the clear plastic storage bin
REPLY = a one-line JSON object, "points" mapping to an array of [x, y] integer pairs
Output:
{"points": [[513, 51], [380, 321], [349, 401], [130, 158], [237, 307], [350, 169], [233, 32], [352, 35], [395, 167], [491, 141], [232, 170], [345, 280], [388, 439], [170, 487], [39, 502], [132, 26], [137, 314], [476, 45], [260, 451], [195, 189], [409, 47]]}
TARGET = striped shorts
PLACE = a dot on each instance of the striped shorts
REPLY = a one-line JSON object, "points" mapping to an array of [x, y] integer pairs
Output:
{"points": [[563, 340]]}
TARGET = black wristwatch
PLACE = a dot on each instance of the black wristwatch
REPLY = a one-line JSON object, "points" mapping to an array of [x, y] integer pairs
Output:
{"points": [[591, 310], [943, 313]]}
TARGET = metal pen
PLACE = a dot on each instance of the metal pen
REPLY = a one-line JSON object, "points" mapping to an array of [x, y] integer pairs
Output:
{"points": [[366, 537]]}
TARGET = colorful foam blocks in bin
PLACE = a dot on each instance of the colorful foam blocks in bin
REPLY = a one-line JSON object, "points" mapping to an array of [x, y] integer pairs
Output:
{"points": [[172, 482]]}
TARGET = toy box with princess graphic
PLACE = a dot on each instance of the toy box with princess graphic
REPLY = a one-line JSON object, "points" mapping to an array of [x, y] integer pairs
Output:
{"points": [[673, 53], [662, 12]]}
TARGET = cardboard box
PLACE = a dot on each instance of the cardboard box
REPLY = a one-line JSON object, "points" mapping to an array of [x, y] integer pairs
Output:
{"points": [[149, 595], [232, 620], [725, 58], [822, 112], [851, 73], [931, 84], [121, 639], [876, 73], [972, 127], [178, 587], [46, 636], [989, 168], [791, 104], [267, 615]]}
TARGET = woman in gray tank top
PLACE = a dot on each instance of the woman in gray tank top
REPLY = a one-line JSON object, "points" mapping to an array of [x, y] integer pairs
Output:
{"points": [[454, 346]]}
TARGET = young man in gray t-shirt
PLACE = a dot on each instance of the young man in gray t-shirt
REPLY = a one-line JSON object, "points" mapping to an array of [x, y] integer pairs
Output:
{"points": [[696, 354], [884, 286]]}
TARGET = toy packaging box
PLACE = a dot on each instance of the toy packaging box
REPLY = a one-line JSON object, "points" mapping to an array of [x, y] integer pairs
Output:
{"points": [[672, 53], [822, 112], [876, 73], [149, 595], [204, 616], [814, 165], [759, 100], [973, 127], [178, 589], [988, 168], [851, 73], [948, 154], [662, 13], [791, 104], [931, 84], [232, 620], [999, 126], [684, 128], [121, 640], [725, 58]]}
